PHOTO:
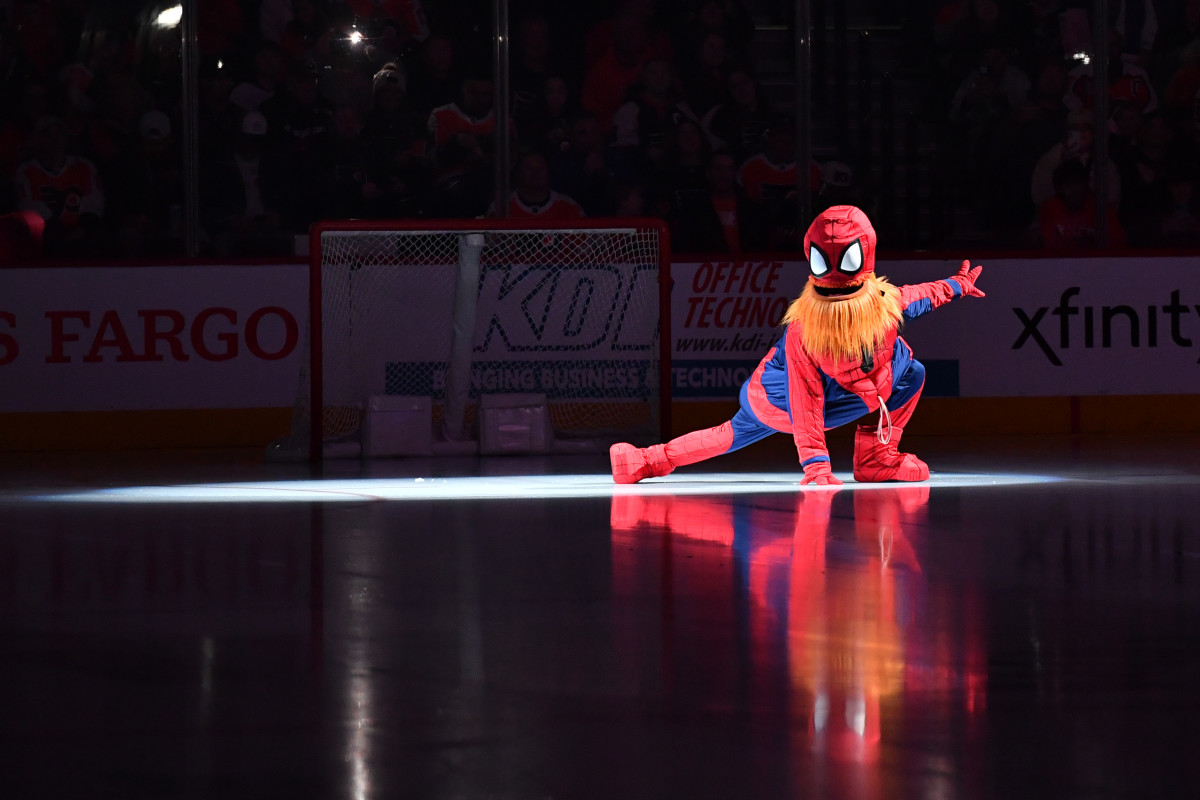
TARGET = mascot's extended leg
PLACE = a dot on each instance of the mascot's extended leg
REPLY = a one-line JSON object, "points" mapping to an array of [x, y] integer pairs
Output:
{"points": [[631, 464], [876, 461]]}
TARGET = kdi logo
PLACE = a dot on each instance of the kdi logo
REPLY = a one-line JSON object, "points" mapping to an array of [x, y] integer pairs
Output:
{"points": [[578, 308]]}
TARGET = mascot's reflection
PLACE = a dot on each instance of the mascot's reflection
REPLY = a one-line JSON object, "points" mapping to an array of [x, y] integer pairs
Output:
{"points": [[845, 600]]}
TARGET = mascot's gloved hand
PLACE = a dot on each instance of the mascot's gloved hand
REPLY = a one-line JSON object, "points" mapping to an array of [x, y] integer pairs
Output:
{"points": [[819, 473], [966, 277]]}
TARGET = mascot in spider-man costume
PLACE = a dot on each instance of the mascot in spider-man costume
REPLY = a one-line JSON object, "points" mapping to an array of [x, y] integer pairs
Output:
{"points": [[840, 359]]}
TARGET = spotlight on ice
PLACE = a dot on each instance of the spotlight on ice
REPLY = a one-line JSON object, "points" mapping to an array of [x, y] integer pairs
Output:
{"points": [[356, 37], [459, 489], [169, 17]]}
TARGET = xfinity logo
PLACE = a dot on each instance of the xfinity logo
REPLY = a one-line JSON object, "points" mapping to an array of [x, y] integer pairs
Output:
{"points": [[1137, 326], [577, 308]]}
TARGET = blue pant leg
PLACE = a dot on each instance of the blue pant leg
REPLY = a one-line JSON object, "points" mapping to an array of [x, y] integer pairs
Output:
{"points": [[747, 430]]}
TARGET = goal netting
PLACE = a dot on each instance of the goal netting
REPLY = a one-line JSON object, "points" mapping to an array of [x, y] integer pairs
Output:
{"points": [[455, 311]]}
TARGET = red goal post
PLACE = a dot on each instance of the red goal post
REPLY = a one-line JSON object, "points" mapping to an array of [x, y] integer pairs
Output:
{"points": [[578, 311]]}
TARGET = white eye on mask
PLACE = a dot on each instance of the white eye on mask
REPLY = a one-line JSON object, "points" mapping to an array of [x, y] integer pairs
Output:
{"points": [[852, 259], [817, 263]]}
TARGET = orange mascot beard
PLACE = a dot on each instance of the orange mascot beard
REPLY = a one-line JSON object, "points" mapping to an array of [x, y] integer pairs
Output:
{"points": [[846, 327]]}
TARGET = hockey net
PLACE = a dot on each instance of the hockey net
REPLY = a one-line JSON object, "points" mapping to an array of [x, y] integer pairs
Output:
{"points": [[456, 310]]}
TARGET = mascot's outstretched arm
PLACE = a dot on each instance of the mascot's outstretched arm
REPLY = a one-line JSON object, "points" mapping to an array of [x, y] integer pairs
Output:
{"points": [[921, 298]]}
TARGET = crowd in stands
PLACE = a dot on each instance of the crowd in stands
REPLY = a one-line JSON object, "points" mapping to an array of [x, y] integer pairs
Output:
{"points": [[382, 109], [315, 109], [1022, 119]]}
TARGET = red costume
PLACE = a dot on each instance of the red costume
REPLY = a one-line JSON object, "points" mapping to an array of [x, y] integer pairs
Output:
{"points": [[840, 358]]}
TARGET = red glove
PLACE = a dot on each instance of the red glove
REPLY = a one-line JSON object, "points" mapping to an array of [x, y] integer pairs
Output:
{"points": [[819, 473], [966, 277]]}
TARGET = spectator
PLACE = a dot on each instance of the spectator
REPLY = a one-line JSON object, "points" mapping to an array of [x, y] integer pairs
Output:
{"points": [[600, 37], [345, 72], [1145, 174], [21, 238], [1068, 219], [720, 222], [298, 118], [648, 122], [1124, 124], [34, 101], [688, 184], [1183, 88], [268, 69], [836, 188], [1040, 22], [219, 120], [347, 188], [629, 201], [960, 25], [275, 15], [545, 125], [1179, 35], [740, 124], [146, 192], [434, 81], [1076, 144], [113, 134], [462, 187], [769, 182], [471, 113], [1019, 141], [1137, 23], [64, 190], [246, 196], [532, 196], [993, 89], [1126, 80], [219, 26], [585, 169], [40, 44], [299, 121], [706, 81], [395, 150], [531, 66], [609, 79], [1180, 225], [726, 18], [299, 37]]}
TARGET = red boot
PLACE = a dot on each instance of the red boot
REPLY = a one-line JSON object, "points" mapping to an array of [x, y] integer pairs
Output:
{"points": [[631, 464], [875, 462]]}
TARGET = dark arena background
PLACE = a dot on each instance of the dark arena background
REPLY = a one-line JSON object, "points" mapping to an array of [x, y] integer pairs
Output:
{"points": [[318, 317]]}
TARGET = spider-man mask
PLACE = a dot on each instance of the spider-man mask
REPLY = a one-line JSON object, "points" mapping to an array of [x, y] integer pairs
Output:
{"points": [[840, 245]]}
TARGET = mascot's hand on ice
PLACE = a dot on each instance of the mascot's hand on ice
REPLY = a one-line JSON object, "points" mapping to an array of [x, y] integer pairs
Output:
{"points": [[819, 474], [966, 278]]}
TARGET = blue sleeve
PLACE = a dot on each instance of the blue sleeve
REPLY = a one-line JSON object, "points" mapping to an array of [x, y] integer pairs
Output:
{"points": [[922, 298]]}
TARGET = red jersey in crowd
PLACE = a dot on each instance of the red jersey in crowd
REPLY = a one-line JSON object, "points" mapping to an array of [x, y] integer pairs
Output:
{"points": [[555, 206], [726, 207], [1064, 229], [766, 181], [447, 120], [65, 195]]}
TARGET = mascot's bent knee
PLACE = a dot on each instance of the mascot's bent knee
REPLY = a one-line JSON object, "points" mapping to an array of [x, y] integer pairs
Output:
{"points": [[840, 358]]}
